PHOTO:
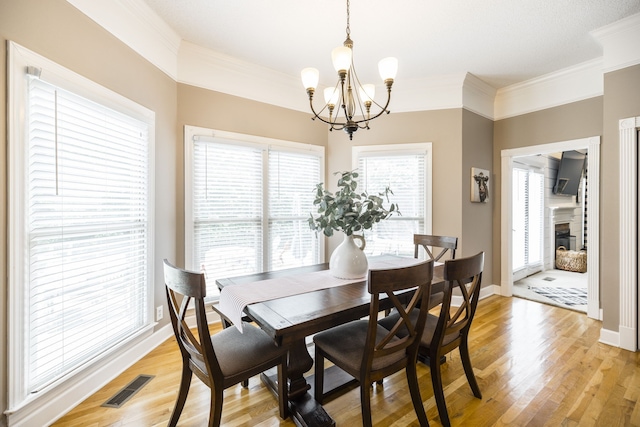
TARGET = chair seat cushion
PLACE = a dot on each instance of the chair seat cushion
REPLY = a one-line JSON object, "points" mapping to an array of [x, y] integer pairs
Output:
{"points": [[429, 329], [345, 345], [238, 352]]}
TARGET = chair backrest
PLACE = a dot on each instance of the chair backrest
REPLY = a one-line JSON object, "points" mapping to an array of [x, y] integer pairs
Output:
{"points": [[394, 283], [464, 274], [438, 244], [182, 288]]}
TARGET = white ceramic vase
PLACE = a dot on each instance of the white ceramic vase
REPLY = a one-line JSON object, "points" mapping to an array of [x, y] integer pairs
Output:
{"points": [[348, 260]]}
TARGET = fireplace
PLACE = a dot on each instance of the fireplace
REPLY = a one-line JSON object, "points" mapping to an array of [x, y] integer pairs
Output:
{"points": [[558, 231], [563, 235]]}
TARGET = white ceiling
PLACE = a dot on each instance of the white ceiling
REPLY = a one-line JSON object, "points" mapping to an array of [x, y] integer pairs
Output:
{"points": [[502, 42]]}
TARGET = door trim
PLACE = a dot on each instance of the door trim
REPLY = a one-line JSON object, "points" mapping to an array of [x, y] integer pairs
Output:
{"points": [[593, 254]]}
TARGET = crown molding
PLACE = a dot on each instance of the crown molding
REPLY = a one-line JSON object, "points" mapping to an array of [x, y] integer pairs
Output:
{"points": [[576, 83], [478, 96], [428, 93], [621, 43], [201, 67], [135, 24]]}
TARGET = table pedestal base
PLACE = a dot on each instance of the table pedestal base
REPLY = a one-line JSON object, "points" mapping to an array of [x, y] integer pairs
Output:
{"points": [[305, 410]]}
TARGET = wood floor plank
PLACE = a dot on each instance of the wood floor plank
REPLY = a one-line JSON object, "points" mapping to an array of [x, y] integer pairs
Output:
{"points": [[536, 365]]}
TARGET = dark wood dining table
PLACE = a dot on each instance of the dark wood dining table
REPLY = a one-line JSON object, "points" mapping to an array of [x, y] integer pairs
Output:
{"points": [[290, 320]]}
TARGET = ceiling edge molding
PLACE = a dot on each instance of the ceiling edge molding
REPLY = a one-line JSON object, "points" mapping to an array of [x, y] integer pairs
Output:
{"points": [[478, 96], [201, 67], [621, 43], [426, 94], [572, 84], [135, 24]]}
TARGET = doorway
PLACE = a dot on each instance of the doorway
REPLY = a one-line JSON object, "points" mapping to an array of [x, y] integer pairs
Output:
{"points": [[508, 162]]}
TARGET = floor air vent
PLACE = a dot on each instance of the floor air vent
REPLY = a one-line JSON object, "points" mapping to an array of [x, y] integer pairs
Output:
{"points": [[128, 391]]}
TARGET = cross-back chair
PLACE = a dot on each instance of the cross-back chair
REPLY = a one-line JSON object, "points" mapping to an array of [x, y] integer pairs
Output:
{"points": [[449, 329], [222, 360], [439, 245], [435, 244], [366, 350]]}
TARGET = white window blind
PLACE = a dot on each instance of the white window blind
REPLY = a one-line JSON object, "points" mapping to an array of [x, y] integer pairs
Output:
{"points": [[292, 180], [227, 210], [87, 228], [528, 220], [405, 172], [250, 204], [519, 221]]}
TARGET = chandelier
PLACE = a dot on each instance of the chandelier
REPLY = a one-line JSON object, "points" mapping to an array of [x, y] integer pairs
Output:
{"points": [[354, 100]]}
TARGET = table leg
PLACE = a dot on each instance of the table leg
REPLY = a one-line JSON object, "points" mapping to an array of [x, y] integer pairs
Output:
{"points": [[300, 361], [305, 410]]}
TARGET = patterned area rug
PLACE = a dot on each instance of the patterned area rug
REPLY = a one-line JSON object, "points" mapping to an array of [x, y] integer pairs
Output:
{"points": [[566, 296]]}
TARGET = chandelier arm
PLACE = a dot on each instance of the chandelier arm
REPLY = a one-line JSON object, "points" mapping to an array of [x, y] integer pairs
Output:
{"points": [[334, 125], [313, 110], [384, 110], [317, 116]]}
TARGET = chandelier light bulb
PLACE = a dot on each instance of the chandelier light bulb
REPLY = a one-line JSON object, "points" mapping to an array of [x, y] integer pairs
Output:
{"points": [[388, 68], [367, 92], [310, 78], [331, 95], [341, 57]]}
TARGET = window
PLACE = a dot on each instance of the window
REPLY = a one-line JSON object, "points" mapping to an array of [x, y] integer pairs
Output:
{"points": [[528, 221], [406, 169], [248, 201], [80, 244]]}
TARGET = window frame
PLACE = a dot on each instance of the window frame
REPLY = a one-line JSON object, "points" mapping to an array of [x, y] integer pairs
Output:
{"points": [[19, 58], [529, 268], [263, 143], [421, 148]]}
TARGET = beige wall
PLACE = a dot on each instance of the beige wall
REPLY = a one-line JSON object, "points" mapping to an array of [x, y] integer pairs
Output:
{"points": [[477, 228], [58, 31]]}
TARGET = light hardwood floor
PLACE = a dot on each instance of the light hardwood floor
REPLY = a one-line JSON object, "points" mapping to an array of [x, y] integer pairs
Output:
{"points": [[536, 365]]}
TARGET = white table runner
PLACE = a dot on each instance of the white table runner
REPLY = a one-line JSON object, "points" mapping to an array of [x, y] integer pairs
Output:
{"points": [[234, 298]]}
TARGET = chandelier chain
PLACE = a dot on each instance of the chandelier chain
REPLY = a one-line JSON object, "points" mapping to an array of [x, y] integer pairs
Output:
{"points": [[348, 15]]}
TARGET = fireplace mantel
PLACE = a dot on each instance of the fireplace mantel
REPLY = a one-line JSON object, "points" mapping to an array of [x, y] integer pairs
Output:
{"points": [[561, 214]]}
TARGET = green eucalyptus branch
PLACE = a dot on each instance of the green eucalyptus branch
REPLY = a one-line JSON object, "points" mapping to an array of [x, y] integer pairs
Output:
{"points": [[347, 210]]}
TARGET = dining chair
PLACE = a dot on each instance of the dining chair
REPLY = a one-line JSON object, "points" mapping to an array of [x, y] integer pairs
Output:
{"points": [[220, 360], [450, 328], [438, 244], [369, 352]]}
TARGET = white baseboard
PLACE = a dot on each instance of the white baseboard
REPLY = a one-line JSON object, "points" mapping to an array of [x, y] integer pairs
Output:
{"points": [[628, 338], [608, 337], [485, 292]]}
